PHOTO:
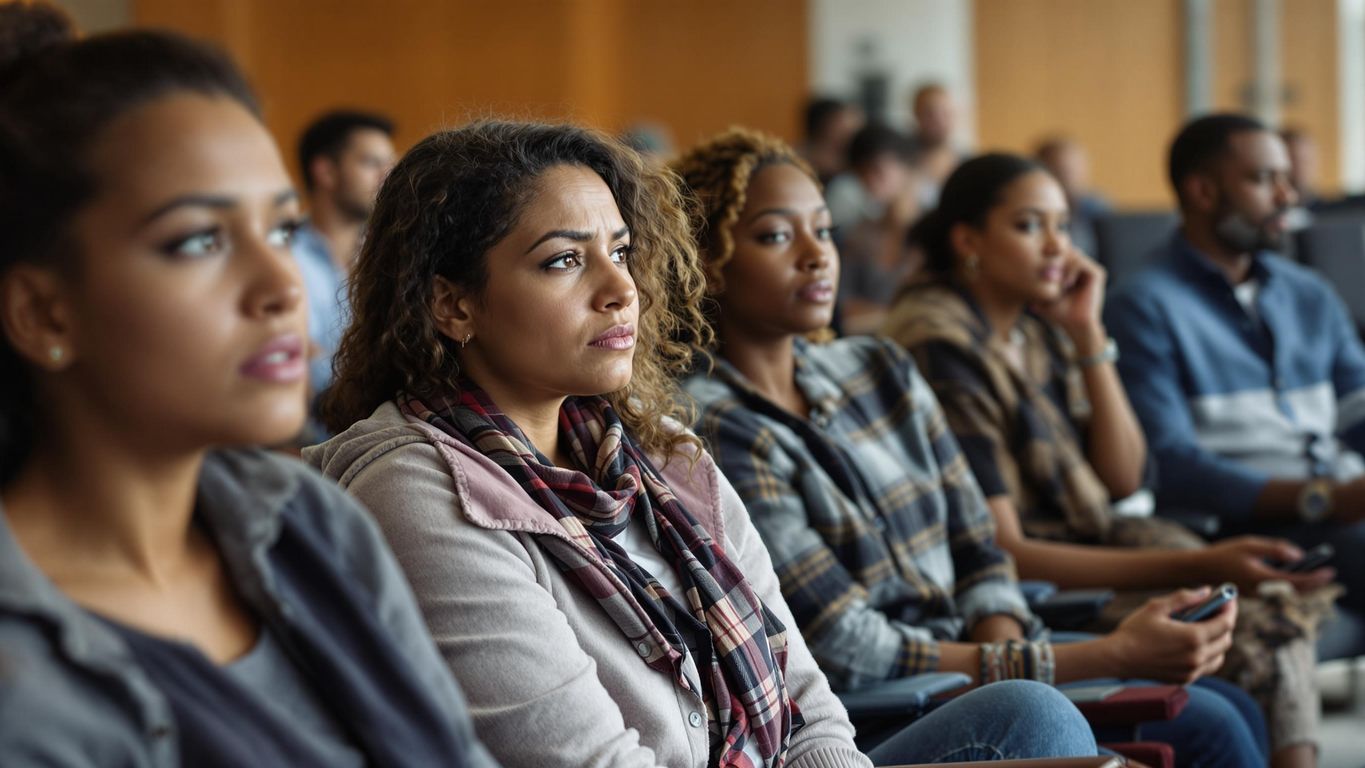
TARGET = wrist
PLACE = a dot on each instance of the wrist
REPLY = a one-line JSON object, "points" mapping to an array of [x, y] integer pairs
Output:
{"points": [[1089, 339], [1317, 500]]}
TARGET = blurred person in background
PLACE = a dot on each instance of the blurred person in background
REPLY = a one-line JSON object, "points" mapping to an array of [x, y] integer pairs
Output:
{"points": [[829, 125], [872, 239], [932, 149], [343, 157], [1069, 163]]}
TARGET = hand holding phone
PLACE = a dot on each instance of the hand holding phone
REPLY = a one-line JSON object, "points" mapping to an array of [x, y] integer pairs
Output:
{"points": [[1209, 606], [1312, 560]]}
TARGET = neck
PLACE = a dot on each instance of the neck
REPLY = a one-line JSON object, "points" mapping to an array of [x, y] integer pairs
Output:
{"points": [[536, 416], [341, 232], [88, 503], [1002, 314], [1235, 265], [769, 363]]}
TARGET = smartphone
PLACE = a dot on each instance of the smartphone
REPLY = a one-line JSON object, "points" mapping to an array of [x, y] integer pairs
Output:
{"points": [[1312, 559], [1211, 605]]}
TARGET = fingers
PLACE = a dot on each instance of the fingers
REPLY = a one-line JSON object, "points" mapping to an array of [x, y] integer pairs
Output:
{"points": [[1272, 549], [1306, 582], [1181, 598]]}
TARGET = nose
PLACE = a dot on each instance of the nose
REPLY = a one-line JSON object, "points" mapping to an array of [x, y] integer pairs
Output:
{"points": [[815, 255], [616, 288], [1056, 240], [1285, 194], [274, 286]]}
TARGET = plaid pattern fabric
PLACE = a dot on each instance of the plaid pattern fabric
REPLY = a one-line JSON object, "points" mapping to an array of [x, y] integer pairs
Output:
{"points": [[881, 540], [739, 647], [1019, 426]]}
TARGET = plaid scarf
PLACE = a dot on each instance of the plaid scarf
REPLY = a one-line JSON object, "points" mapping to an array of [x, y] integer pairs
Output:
{"points": [[738, 646]]}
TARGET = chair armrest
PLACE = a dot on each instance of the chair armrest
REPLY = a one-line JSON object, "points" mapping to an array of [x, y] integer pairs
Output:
{"points": [[908, 695], [1036, 591], [1072, 608], [1047, 762], [1130, 705]]}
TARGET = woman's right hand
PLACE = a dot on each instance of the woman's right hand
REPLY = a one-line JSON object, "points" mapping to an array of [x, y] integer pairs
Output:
{"points": [[1150, 644]]}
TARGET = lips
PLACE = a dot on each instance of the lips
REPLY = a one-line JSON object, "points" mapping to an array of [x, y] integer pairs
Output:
{"points": [[819, 292], [279, 361], [617, 337], [1052, 274]]}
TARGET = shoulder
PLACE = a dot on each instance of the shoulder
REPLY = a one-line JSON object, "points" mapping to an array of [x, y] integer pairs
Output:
{"points": [[842, 359], [54, 714], [1305, 282]]}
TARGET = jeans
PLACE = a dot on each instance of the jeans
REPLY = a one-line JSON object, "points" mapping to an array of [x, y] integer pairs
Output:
{"points": [[1002, 721], [1221, 727]]}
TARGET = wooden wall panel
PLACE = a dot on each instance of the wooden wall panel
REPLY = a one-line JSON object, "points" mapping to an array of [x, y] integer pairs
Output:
{"points": [[693, 67], [1107, 72]]}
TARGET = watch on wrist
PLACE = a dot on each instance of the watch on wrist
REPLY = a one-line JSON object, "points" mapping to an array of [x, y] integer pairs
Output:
{"points": [[1315, 500], [1109, 354]]}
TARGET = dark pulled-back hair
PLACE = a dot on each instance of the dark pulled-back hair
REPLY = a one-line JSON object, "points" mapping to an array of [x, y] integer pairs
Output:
{"points": [[1204, 140], [328, 134], [967, 197], [57, 96], [454, 196]]}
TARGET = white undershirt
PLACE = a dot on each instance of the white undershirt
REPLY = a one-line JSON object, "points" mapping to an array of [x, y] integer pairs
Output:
{"points": [[1246, 293], [634, 539]]}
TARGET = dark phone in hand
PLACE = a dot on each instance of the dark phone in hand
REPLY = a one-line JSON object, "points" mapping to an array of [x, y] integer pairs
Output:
{"points": [[1312, 559], [1210, 605]]}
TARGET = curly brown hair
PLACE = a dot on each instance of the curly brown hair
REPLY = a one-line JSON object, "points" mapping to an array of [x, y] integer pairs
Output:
{"points": [[455, 195], [716, 174]]}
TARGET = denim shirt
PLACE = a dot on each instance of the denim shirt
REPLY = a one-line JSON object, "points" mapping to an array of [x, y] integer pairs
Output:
{"points": [[71, 693], [1230, 399]]}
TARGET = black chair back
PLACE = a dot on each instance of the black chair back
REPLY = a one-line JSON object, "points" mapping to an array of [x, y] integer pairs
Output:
{"points": [[1127, 241]]}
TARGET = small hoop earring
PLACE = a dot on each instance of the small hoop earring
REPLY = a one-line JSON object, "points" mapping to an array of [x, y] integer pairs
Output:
{"points": [[56, 354], [465, 341]]}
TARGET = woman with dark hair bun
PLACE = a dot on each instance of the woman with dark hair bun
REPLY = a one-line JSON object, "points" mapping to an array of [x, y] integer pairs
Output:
{"points": [[167, 596], [1006, 326]]}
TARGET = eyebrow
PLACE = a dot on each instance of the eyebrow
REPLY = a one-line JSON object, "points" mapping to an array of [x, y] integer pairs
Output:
{"points": [[576, 235], [783, 212], [219, 202]]}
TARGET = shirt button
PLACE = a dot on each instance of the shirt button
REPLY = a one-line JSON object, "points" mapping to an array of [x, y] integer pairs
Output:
{"points": [[695, 719], [643, 648], [159, 731]]}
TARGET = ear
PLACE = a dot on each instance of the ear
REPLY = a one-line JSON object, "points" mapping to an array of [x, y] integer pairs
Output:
{"points": [[1200, 192], [452, 309], [35, 315], [964, 239]]}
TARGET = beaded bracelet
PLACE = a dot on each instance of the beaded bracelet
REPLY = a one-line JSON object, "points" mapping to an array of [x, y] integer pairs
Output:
{"points": [[1018, 660]]}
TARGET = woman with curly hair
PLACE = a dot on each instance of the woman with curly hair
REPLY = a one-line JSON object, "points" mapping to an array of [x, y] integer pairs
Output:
{"points": [[504, 405], [882, 542]]}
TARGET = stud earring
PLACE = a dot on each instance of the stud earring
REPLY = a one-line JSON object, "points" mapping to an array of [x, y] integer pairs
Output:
{"points": [[973, 266], [56, 354]]}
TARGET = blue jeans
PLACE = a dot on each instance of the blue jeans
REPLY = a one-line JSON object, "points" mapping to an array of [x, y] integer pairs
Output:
{"points": [[1002, 721], [1221, 727]]}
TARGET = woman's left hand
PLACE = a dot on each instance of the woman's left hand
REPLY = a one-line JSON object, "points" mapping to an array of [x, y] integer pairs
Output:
{"points": [[1077, 309]]}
